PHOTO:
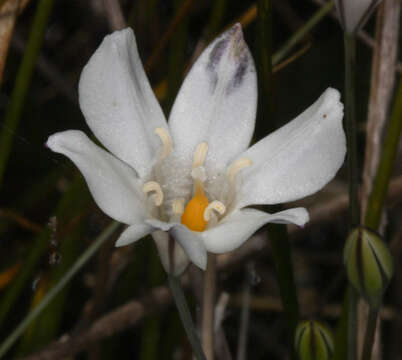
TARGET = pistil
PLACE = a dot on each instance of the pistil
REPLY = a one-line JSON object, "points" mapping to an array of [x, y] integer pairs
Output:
{"points": [[193, 215]]}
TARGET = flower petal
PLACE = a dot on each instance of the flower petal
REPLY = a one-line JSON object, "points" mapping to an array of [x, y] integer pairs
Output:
{"points": [[118, 103], [217, 102], [354, 13], [133, 233], [237, 227], [190, 241], [192, 244], [181, 260], [113, 184], [298, 159]]}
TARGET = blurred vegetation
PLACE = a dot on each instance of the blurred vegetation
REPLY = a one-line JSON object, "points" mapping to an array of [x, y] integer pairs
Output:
{"points": [[48, 218]]}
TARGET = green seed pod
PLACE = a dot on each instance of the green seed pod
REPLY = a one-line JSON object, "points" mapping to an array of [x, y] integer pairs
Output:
{"points": [[369, 264], [313, 341]]}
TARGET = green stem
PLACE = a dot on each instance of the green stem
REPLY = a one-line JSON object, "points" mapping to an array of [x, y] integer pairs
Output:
{"points": [[341, 335], [385, 167], [81, 261], [282, 259], [377, 197], [185, 316], [151, 331], [25, 71], [351, 128], [370, 333], [265, 119], [302, 32], [352, 299], [266, 123], [208, 308], [351, 136]]}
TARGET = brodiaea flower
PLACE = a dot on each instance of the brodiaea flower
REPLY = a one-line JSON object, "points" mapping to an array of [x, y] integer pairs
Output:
{"points": [[193, 178]]}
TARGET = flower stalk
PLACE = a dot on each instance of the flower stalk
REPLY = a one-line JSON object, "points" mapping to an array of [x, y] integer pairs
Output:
{"points": [[386, 165], [352, 300], [376, 200], [352, 163], [351, 127], [208, 308], [265, 120], [277, 233], [284, 271], [185, 316], [370, 333]]}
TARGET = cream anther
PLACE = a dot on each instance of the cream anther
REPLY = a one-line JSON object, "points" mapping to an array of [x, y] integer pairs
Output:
{"points": [[214, 205], [153, 186], [178, 206], [237, 166], [200, 154], [166, 141]]}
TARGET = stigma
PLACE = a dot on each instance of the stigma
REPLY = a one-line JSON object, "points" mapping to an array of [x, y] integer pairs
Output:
{"points": [[193, 215]]}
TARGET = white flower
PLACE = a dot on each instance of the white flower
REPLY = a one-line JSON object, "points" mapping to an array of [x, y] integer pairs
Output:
{"points": [[354, 13], [193, 178]]}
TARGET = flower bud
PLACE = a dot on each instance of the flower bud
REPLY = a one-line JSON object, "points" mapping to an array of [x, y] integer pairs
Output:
{"points": [[354, 13], [313, 340], [369, 264]]}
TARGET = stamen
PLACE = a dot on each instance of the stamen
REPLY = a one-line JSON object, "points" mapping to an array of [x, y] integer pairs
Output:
{"points": [[178, 206], [214, 205], [153, 186], [166, 141], [199, 174], [237, 166], [200, 154]]}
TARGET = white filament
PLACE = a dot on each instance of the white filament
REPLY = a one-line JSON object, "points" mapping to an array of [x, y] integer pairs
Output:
{"points": [[237, 166], [214, 206], [200, 154], [166, 141], [153, 186], [178, 206]]}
